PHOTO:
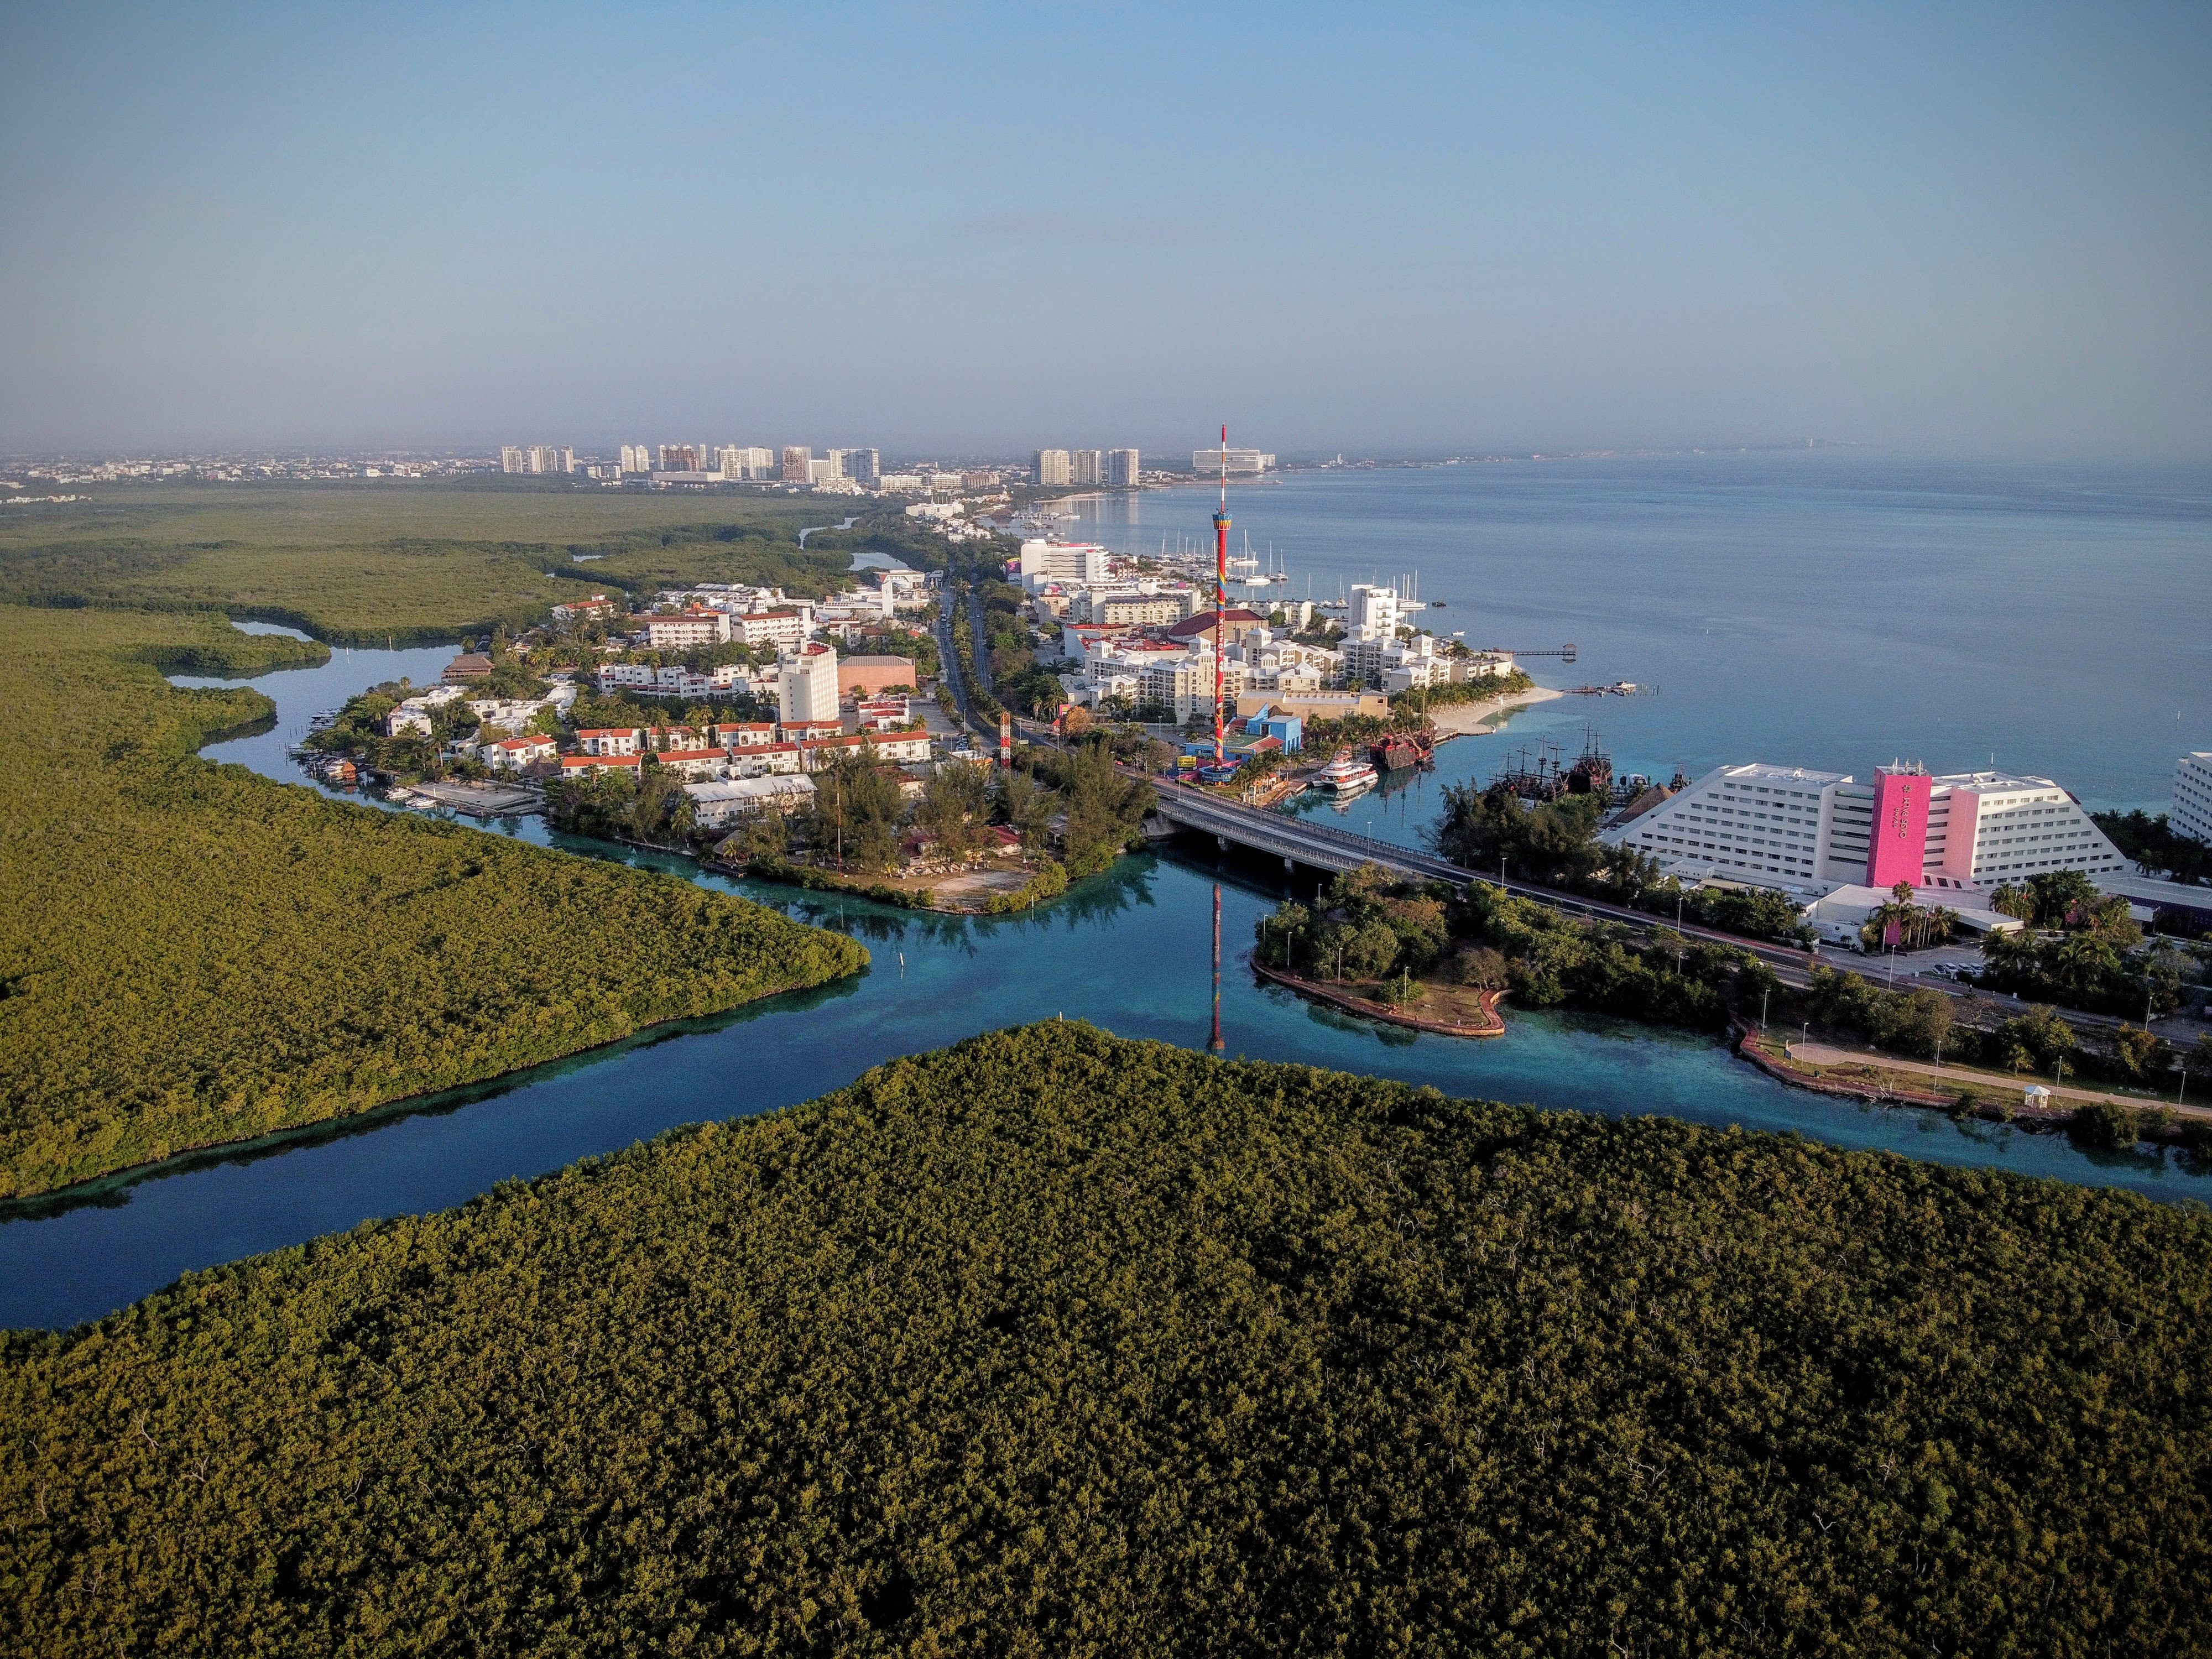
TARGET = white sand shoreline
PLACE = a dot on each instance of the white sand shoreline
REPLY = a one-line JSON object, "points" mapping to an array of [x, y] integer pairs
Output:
{"points": [[1463, 719]]}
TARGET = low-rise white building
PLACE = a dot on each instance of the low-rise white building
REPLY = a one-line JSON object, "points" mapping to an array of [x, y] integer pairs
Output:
{"points": [[719, 804], [513, 754], [609, 739], [892, 747], [412, 714], [696, 763]]}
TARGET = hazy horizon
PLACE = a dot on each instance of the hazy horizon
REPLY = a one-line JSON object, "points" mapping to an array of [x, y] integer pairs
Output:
{"points": [[1412, 233]]}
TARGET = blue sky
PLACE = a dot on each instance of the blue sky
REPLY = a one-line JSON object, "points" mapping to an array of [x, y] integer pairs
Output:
{"points": [[1384, 229]]}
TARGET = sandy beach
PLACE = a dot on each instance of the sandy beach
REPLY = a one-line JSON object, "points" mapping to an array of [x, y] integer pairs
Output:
{"points": [[1462, 719]]}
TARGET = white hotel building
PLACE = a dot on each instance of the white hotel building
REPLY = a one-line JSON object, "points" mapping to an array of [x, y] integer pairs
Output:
{"points": [[1807, 832], [2190, 814]]}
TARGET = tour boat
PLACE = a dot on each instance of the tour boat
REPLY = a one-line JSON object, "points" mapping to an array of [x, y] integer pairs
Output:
{"points": [[1345, 773]]}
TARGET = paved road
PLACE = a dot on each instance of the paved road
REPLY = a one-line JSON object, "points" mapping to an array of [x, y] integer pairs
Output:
{"points": [[951, 664], [983, 647]]}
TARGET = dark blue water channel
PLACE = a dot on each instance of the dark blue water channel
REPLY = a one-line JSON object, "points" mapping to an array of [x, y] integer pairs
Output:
{"points": [[1130, 951]]}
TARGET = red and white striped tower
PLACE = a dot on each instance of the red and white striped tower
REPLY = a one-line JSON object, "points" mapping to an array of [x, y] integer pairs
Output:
{"points": [[1220, 592]]}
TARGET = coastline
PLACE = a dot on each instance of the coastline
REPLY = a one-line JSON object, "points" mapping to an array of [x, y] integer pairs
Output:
{"points": [[1475, 719], [27, 1204]]}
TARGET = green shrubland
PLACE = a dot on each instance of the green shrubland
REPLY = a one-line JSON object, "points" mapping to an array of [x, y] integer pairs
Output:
{"points": [[364, 565], [191, 954], [1052, 1343], [1366, 926]]}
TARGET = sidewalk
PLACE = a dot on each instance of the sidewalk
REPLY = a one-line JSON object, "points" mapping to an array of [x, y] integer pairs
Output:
{"points": [[1822, 1054]]}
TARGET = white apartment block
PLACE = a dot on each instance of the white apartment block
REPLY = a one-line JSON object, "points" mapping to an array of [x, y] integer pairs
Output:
{"points": [[1787, 826], [1376, 612], [806, 685], [1121, 468], [538, 458], [779, 628], [677, 683], [688, 629], [1129, 610], [1052, 466], [741, 462], [2190, 814], [1044, 560], [1185, 684], [1086, 466]]}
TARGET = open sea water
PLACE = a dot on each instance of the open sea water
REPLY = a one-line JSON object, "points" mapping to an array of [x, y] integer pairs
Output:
{"points": [[1823, 608]]}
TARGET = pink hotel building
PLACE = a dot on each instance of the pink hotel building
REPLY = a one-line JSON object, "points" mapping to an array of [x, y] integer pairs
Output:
{"points": [[1810, 832]]}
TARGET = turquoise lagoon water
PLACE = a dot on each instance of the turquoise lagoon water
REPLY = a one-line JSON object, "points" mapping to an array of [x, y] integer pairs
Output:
{"points": [[1131, 951]]}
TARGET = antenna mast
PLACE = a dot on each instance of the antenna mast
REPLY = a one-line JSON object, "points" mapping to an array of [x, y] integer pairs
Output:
{"points": [[1220, 592]]}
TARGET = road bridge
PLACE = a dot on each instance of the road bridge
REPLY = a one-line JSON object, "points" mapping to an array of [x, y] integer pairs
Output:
{"points": [[1296, 840], [1324, 846]]}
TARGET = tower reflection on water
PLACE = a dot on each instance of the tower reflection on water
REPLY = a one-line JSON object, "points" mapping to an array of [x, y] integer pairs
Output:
{"points": [[1216, 1043]]}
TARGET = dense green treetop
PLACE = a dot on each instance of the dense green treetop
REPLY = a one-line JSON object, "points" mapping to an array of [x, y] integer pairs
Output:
{"points": [[191, 954], [1052, 1343]]}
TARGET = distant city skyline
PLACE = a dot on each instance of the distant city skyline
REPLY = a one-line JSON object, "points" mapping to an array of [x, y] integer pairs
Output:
{"points": [[1417, 231]]}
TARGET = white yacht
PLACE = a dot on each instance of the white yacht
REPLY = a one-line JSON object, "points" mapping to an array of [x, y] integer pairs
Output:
{"points": [[1345, 773]]}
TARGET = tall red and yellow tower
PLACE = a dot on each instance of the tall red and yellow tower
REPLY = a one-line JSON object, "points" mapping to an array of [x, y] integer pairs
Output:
{"points": [[1220, 594]]}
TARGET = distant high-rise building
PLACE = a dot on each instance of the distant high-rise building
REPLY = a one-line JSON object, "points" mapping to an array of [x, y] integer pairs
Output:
{"points": [[797, 465], [822, 472], [681, 457], [1086, 466], [860, 465], [551, 458], [512, 459], [1051, 466], [1240, 460], [636, 458], [1121, 468]]}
